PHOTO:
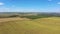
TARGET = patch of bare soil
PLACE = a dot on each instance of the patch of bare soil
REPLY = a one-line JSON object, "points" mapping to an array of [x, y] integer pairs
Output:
{"points": [[12, 19]]}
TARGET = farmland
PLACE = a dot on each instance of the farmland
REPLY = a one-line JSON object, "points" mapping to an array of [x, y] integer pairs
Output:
{"points": [[37, 26], [29, 16], [33, 24]]}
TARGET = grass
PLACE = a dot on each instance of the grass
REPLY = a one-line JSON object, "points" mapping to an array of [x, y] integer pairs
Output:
{"points": [[49, 25]]}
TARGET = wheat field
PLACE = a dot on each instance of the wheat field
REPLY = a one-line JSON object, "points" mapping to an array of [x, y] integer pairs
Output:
{"points": [[49, 25]]}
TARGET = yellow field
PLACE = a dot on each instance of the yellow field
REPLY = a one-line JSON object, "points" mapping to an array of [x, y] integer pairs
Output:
{"points": [[49, 25]]}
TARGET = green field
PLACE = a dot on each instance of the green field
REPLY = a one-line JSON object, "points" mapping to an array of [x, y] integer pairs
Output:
{"points": [[49, 25]]}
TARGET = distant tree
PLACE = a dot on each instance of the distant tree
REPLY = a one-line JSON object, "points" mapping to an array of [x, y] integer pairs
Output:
{"points": [[14, 16]]}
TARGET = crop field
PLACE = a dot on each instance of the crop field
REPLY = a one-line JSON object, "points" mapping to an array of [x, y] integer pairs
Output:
{"points": [[29, 16], [50, 25]]}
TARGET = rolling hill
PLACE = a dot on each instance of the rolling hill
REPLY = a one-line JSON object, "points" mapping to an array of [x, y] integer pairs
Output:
{"points": [[49, 25]]}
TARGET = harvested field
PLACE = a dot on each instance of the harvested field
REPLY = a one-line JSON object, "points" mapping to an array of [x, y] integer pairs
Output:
{"points": [[12, 19]]}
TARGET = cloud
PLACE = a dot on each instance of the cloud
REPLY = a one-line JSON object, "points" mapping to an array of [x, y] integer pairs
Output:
{"points": [[49, 0], [4, 9], [58, 2], [1, 3]]}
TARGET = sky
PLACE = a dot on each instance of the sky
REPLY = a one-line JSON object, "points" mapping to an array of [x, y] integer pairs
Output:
{"points": [[29, 5]]}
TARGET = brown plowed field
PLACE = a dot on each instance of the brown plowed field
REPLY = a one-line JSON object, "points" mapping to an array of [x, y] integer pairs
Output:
{"points": [[12, 19]]}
